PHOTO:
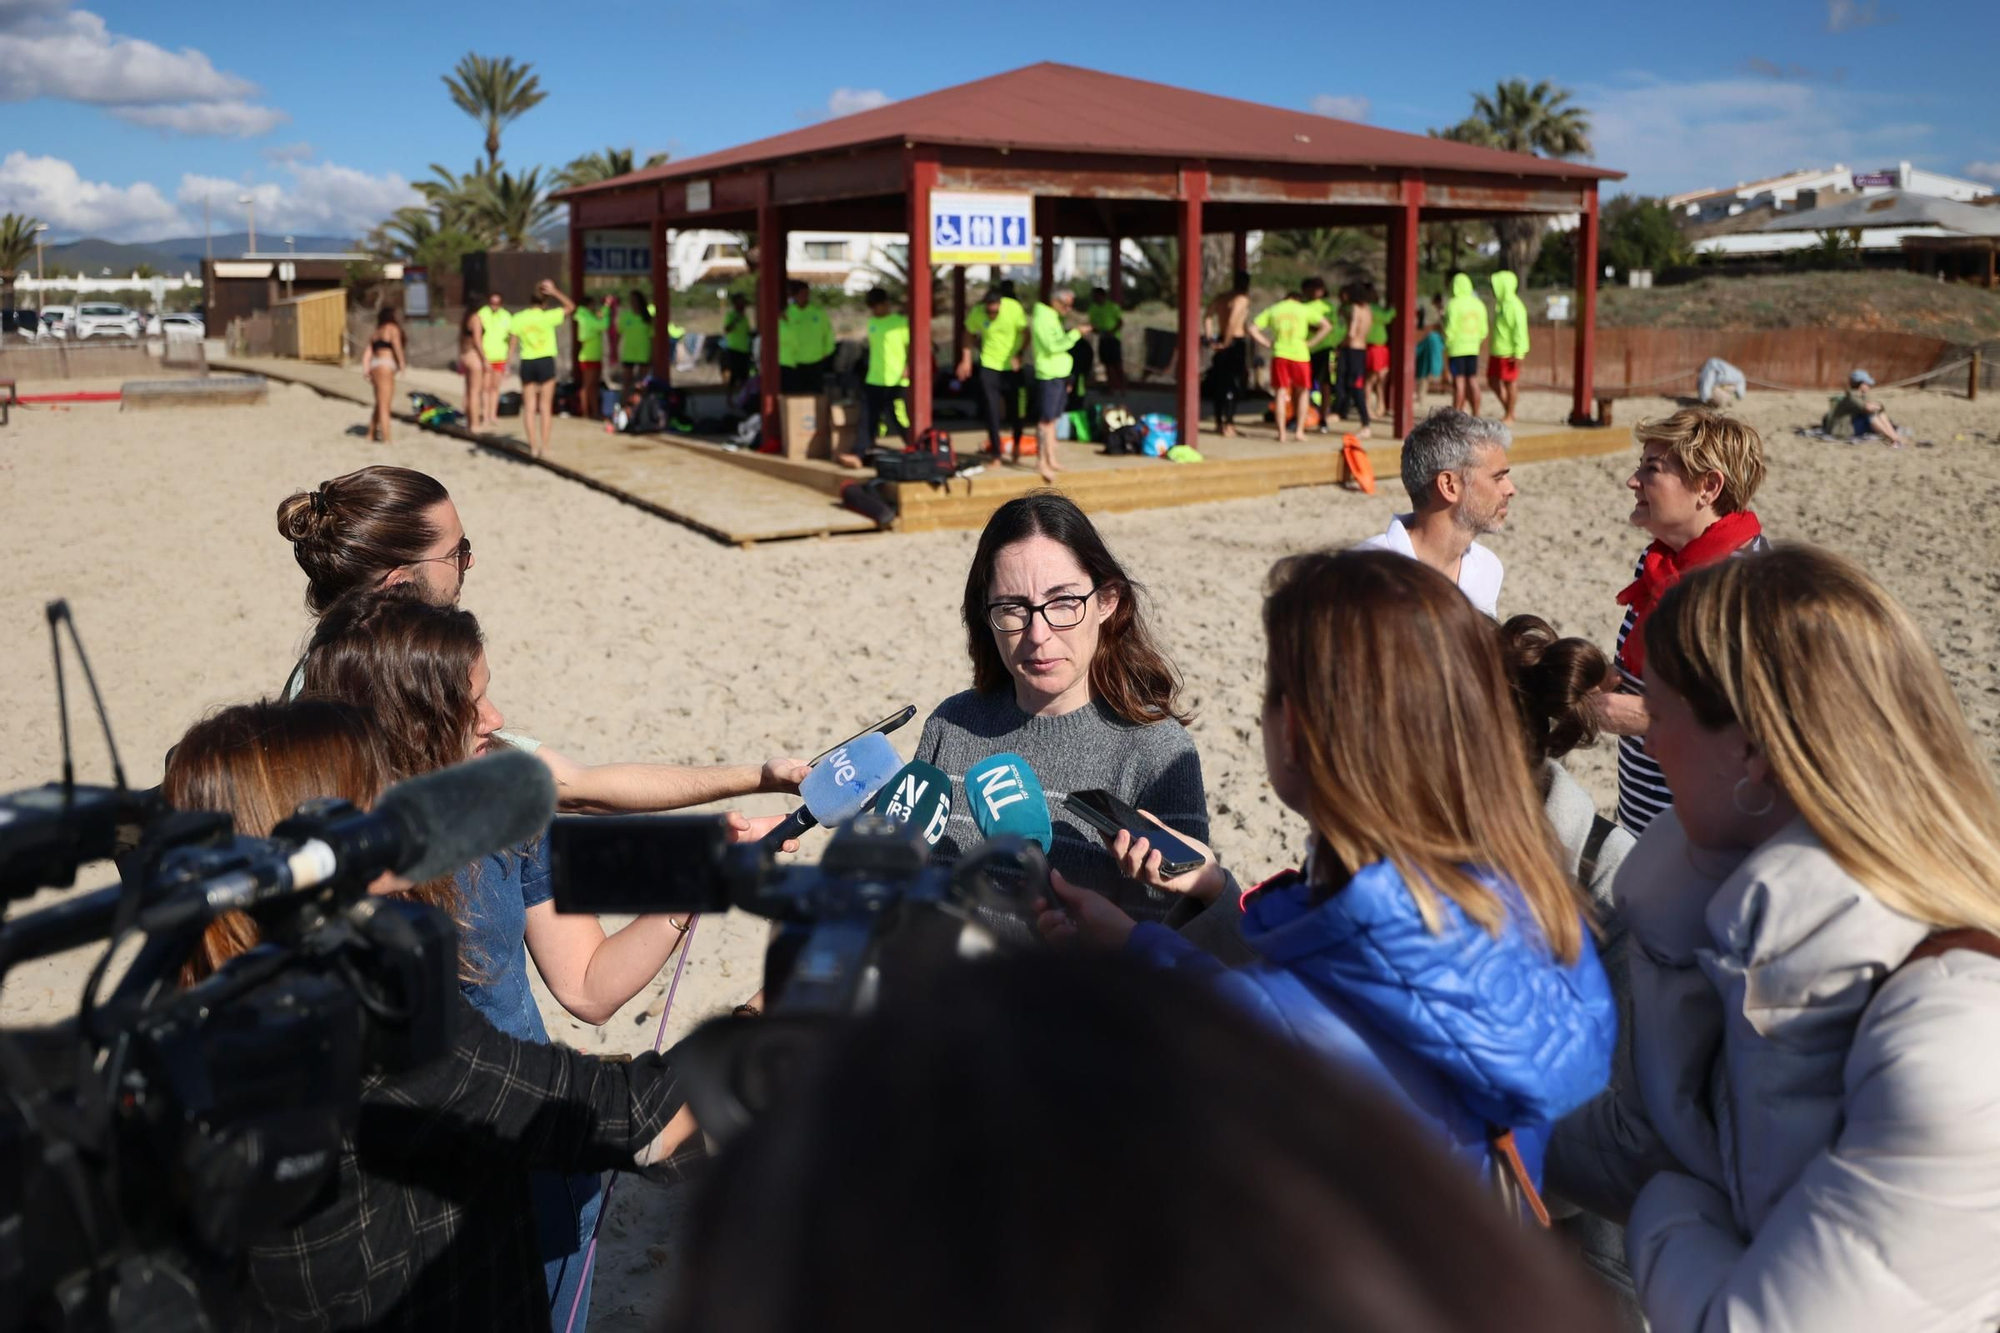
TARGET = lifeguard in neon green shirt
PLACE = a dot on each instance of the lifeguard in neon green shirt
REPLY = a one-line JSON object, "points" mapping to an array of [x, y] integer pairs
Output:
{"points": [[888, 374], [805, 343], [1051, 341], [1001, 327], [635, 337], [736, 335], [495, 331], [1106, 318], [591, 321]]}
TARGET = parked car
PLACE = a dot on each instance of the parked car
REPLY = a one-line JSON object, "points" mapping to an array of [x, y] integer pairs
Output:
{"points": [[108, 321], [21, 323], [176, 326], [57, 319]]}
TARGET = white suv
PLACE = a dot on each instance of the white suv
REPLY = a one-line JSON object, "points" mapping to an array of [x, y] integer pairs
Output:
{"points": [[56, 320], [108, 321]]}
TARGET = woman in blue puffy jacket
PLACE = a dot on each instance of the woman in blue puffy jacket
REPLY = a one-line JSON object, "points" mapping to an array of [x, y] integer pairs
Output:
{"points": [[1432, 942]]}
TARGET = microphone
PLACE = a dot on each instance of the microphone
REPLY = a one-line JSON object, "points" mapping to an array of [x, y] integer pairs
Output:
{"points": [[839, 786], [1007, 799], [422, 828], [920, 796]]}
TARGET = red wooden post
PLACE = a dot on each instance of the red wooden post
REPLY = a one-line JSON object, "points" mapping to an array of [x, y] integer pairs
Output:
{"points": [[575, 276], [922, 177], [957, 315], [1194, 189], [770, 305], [1403, 296], [1583, 406], [663, 295]]}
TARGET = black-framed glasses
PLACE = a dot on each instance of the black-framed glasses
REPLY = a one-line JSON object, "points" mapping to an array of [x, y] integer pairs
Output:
{"points": [[1059, 612], [461, 554]]}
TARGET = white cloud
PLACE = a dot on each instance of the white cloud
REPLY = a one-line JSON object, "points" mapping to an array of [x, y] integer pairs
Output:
{"points": [[1984, 171], [48, 49], [1848, 15], [288, 152], [230, 120], [50, 189], [1716, 132], [320, 197], [1340, 106], [847, 101]]}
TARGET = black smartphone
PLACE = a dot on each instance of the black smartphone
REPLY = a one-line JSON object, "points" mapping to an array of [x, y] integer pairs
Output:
{"points": [[885, 726], [1108, 815], [640, 864]]}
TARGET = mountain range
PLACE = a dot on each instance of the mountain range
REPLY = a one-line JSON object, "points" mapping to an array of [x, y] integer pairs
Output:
{"points": [[178, 254]]}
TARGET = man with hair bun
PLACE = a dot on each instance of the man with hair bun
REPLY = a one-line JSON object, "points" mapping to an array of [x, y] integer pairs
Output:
{"points": [[1455, 469]]}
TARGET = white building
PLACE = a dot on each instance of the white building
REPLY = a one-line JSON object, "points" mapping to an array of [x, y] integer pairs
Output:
{"points": [[1817, 189]]}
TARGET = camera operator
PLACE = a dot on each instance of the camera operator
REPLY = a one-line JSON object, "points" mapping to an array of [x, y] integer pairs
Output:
{"points": [[1050, 1142], [381, 527], [434, 1224]]}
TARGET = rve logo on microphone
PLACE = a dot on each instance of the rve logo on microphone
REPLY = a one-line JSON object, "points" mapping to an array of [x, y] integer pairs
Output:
{"points": [[842, 766]]}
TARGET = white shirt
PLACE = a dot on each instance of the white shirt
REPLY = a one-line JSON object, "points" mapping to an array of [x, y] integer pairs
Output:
{"points": [[1479, 571]]}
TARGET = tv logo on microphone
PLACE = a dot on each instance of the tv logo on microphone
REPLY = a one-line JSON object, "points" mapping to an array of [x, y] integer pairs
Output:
{"points": [[999, 788], [908, 795]]}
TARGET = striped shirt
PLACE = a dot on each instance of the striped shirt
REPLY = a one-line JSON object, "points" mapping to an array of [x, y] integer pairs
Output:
{"points": [[1642, 787]]}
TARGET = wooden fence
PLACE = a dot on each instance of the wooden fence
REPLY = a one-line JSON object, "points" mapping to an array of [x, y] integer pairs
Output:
{"points": [[1665, 361]]}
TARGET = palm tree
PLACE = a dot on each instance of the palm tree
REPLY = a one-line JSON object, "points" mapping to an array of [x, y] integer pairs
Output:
{"points": [[457, 201], [1156, 274], [493, 92], [1522, 119], [17, 242], [603, 165], [514, 208]]}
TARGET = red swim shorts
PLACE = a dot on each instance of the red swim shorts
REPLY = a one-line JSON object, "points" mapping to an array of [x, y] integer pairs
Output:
{"points": [[1503, 369], [592, 364], [498, 367], [1378, 357], [1291, 374]]}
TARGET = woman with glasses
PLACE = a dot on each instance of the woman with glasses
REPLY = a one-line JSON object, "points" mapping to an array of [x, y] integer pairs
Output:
{"points": [[1066, 675], [381, 527]]}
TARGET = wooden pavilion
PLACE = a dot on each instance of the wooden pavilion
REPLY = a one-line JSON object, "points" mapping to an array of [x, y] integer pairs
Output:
{"points": [[1103, 156]]}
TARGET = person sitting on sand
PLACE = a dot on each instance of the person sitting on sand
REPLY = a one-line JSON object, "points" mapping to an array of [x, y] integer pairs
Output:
{"points": [[1855, 415], [1718, 383], [1455, 469]]}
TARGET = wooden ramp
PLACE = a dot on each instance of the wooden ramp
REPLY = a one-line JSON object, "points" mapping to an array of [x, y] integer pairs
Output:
{"points": [[691, 485], [209, 391]]}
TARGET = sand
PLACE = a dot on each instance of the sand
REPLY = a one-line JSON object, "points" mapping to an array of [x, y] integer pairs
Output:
{"points": [[616, 636]]}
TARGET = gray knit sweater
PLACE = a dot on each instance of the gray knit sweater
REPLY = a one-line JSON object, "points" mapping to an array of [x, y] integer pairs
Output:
{"points": [[1153, 767]]}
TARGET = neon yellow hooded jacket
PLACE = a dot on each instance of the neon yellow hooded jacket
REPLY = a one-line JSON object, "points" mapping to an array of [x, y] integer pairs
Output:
{"points": [[1464, 319], [1510, 316]]}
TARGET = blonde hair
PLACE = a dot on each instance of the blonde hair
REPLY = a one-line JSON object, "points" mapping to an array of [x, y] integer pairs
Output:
{"points": [[1835, 683], [1700, 441], [1412, 748]]}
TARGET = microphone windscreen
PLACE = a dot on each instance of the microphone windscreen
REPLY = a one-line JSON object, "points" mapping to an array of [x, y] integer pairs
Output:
{"points": [[841, 785], [456, 815], [1006, 797], [919, 795]]}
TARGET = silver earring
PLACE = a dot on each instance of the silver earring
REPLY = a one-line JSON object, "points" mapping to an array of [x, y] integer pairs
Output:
{"points": [[1736, 799]]}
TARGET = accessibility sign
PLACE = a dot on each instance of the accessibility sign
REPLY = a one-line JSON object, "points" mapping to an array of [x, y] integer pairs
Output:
{"points": [[973, 227], [617, 254]]}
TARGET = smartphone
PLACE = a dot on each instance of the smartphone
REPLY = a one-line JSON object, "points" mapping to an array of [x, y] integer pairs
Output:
{"points": [[885, 726], [1108, 815]]}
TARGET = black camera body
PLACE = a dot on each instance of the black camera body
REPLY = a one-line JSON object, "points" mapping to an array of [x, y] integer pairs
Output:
{"points": [[148, 1141], [873, 916]]}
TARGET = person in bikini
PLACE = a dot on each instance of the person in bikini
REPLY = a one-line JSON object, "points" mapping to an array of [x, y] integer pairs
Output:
{"points": [[384, 360], [472, 365]]}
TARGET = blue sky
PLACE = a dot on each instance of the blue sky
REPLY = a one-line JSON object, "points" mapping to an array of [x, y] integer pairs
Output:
{"points": [[118, 116]]}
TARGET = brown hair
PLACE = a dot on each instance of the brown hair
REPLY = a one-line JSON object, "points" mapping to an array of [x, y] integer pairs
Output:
{"points": [[257, 763], [409, 662], [1299, 1198], [1411, 744], [1554, 680], [386, 315], [1700, 440], [1835, 684], [355, 529], [1129, 674]]}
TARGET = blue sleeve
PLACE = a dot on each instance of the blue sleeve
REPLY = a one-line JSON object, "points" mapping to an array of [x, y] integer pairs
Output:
{"points": [[536, 887], [1162, 947]]}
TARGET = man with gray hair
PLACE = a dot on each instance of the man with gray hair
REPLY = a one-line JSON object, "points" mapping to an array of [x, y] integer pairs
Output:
{"points": [[1455, 469]]}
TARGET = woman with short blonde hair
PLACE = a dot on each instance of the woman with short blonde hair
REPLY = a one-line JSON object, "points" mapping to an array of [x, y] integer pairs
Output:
{"points": [[1698, 471], [1810, 1138]]}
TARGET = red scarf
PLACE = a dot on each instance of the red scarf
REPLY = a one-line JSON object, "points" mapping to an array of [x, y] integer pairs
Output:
{"points": [[1661, 568]]}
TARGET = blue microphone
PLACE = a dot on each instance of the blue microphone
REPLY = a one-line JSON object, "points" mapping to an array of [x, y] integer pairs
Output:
{"points": [[919, 796], [840, 786], [1007, 798]]}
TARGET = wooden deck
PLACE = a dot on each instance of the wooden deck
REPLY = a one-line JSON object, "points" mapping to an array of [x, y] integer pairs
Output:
{"points": [[743, 497]]}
